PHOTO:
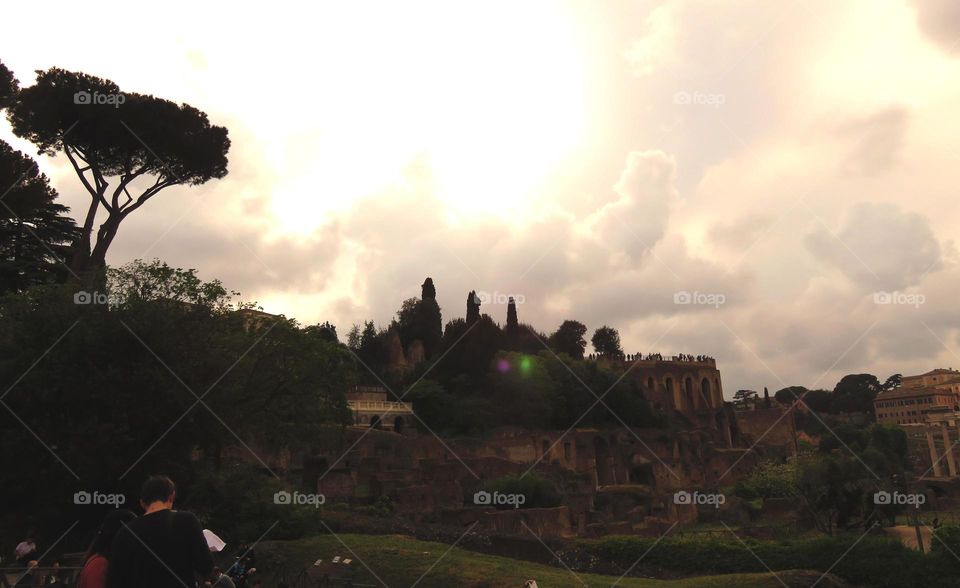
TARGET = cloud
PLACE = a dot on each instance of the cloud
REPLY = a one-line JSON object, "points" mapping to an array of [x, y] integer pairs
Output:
{"points": [[739, 234], [761, 198], [879, 246], [637, 220], [877, 141], [940, 21]]}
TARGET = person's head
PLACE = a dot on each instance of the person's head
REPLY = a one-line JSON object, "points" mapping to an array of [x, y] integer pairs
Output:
{"points": [[157, 492], [109, 528]]}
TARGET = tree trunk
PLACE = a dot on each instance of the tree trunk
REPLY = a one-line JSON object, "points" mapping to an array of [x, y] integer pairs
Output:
{"points": [[108, 230], [80, 256]]}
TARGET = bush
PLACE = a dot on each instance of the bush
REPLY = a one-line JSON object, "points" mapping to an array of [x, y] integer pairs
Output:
{"points": [[238, 504], [870, 561], [539, 492], [383, 508], [769, 480]]}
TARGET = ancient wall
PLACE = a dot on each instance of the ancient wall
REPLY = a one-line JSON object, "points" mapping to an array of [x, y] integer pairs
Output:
{"points": [[685, 386], [771, 427]]}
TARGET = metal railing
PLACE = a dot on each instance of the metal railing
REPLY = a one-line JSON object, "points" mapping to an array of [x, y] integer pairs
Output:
{"points": [[381, 405]]}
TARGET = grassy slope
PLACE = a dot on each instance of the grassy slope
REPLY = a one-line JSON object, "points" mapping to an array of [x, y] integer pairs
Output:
{"points": [[401, 561]]}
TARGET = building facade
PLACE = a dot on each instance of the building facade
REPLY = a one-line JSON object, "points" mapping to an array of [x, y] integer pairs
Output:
{"points": [[371, 409], [933, 392]]}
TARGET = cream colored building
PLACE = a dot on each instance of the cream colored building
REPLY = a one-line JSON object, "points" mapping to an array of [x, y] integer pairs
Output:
{"points": [[933, 392], [371, 408]]}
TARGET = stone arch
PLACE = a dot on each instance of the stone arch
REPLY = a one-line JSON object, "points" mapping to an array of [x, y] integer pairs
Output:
{"points": [[398, 424], [313, 469], [363, 419], [705, 396], [545, 448], [650, 383], [671, 392], [641, 471], [603, 462], [375, 422], [688, 393], [725, 428]]}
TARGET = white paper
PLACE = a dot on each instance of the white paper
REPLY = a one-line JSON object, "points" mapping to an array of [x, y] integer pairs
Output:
{"points": [[213, 542]]}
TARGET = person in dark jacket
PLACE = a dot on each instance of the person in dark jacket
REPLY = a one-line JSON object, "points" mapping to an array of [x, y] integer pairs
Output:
{"points": [[162, 549]]}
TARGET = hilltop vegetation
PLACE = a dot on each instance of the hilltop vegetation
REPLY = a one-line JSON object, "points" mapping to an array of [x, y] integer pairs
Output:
{"points": [[403, 561]]}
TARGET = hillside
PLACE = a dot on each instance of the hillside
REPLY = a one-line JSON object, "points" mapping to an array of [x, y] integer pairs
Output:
{"points": [[395, 560]]}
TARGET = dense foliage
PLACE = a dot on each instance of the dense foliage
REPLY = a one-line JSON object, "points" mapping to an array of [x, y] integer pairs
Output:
{"points": [[35, 231], [862, 560], [854, 393], [538, 391], [834, 487], [162, 378], [112, 139]]}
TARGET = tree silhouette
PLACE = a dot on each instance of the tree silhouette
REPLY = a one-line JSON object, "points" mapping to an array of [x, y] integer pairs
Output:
{"points": [[606, 341], [512, 321], [35, 231], [8, 87], [892, 382], [421, 320], [428, 290], [855, 393], [569, 339], [473, 307], [138, 136], [790, 394]]}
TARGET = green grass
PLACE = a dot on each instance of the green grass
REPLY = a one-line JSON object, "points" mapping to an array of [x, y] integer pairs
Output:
{"points": [[398, 561]]}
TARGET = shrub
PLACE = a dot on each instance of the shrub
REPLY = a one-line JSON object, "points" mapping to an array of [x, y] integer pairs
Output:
{"points": [[539, 492], [871, 561]]}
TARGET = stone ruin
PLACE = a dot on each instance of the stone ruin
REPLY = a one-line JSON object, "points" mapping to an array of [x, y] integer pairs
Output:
{"points": [[610, 481]]}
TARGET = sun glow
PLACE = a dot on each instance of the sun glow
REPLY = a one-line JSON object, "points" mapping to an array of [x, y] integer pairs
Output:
{"points": [[489, 102], [335, 101]]}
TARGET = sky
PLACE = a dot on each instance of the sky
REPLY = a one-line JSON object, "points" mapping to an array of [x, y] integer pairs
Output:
{"points": [[773, 184]]}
